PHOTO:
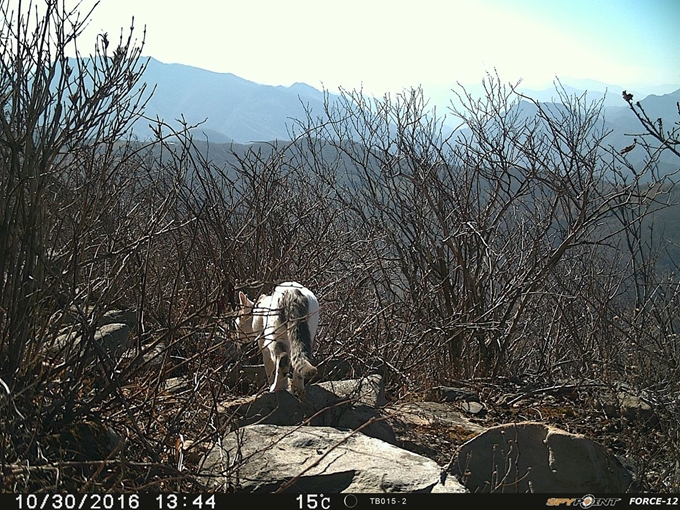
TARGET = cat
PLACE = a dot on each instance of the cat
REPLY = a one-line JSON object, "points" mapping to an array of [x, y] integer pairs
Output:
{"points": [[284, 324]]}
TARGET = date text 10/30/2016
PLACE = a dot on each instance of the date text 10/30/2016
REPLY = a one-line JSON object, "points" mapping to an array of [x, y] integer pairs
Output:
{"points": [[114, 501]]}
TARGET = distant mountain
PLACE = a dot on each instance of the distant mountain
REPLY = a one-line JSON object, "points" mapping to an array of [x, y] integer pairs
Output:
{"points": [[596, 90], [625, 126], [619, 119], [232, 109], [610, 94], [229, 107]]}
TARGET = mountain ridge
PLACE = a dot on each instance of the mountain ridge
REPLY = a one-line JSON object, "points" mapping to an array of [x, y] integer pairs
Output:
{"points": [[230, 107], [227, 108]]}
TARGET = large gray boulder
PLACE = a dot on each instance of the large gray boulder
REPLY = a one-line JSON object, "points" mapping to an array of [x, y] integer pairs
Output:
{"points": [[534, 457], [267, 458]]}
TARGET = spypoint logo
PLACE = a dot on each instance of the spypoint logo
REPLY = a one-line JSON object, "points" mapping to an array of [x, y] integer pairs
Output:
{"points": [[586, 501]]}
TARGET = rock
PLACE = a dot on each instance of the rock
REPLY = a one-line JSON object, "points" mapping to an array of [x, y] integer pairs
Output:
{"points": [[84, 441], [465, 400], [368, 390], [176, 384], [637, 409], [351, 404], [341, 404], [114, 339], [152, 355], [449, 394], [261, 458], [329, 371], [432, 429], [633, 408], [533, 457], [75, 316], [473, 408], [127, 317], [335, 369], [279, 408], [63, 343], [434, 414]]}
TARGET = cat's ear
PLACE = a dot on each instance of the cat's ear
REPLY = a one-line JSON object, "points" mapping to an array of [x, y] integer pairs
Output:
{"points": [[244, 299]]}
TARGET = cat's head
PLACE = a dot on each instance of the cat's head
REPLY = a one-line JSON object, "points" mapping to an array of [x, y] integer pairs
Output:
{"points": [[244, 318]]}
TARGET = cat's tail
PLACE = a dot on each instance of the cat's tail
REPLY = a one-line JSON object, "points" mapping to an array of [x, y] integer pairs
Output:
{"points": [[294, 312]]}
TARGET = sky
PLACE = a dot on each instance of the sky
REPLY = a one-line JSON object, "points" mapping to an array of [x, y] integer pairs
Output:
{"points": [[388, 45]]}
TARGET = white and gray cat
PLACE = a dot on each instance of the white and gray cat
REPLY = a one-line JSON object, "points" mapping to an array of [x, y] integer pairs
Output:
{"points": [[284, 324]]}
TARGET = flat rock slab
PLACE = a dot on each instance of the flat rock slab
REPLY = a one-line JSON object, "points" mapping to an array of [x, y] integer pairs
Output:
{"points": [[432, 414], [262, 458]]}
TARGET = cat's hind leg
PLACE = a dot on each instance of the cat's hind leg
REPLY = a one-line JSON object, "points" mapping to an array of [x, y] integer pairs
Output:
{"points": [[298, 384], [281, 355], [268, 359]]}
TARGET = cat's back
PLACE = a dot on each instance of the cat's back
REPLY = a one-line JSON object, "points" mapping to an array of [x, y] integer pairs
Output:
{"points": [[267, 306], [282, 288]]}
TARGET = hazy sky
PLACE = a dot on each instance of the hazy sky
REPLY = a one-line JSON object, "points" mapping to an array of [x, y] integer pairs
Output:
{"points": [[386, 45]]}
